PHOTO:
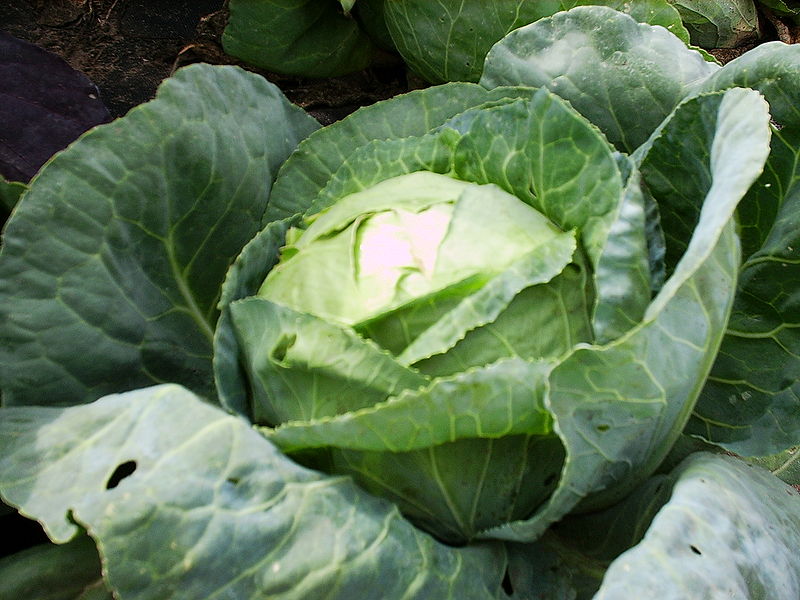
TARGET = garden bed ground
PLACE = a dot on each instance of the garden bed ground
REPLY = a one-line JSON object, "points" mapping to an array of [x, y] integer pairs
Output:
{"points": [[127, 47]]}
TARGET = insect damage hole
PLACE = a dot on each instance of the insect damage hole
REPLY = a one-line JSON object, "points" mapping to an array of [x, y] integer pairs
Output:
{"points": [[122, 471], [696, 550]]}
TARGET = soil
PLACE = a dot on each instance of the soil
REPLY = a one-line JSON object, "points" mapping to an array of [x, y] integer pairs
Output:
{"points": [[127, 47]]}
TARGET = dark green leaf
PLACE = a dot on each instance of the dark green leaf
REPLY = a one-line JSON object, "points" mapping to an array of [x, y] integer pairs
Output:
{"points": [[10, 191], [784, 465], [312, 38], [751, 404], [719, 24], [67, 572]]}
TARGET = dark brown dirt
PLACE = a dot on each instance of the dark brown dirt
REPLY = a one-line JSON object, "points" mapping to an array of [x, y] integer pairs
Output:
{"points": [[127, 47]]}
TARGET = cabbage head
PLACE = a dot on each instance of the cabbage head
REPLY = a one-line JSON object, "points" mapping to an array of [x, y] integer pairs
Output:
{"points": [[475, 314], [497, 308]]}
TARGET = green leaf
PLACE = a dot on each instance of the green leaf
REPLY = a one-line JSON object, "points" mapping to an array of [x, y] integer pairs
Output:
{"points": [[536, 309], [380, 160], [719, 24], [10, 191], [49, 572], [729, 530], [302, 367], [244, 522], [311, 38], [243, 279], [623, 76], [570, 559], [546, 570], [784, 465], [618, 408], [751, 403], [773, 69], [112, 262], [462, 455], [457, 489], [310, 168], [547, 155], [501, 399], [779, 7], [447, 40]]}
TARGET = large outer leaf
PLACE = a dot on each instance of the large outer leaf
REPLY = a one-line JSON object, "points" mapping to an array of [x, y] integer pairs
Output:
{"points": [[751, 404], [728, 531], [48, 572], [214, 510], [311, 38], [618, 408], [719, 24], [447, 40], [623, 76], [112, 263]]}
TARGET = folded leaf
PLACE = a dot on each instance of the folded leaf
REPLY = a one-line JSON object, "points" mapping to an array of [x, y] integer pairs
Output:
{"points": [[618, 408]]}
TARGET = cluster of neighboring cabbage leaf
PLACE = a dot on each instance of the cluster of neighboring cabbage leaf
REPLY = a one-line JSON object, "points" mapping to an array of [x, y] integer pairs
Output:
{"points": [[497, 307], [441, 41]]}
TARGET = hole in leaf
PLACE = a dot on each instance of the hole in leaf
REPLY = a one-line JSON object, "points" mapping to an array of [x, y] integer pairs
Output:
{"points": [[507, 587], [122, 471], [696, 550], [233, 480], [603, 427]]}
